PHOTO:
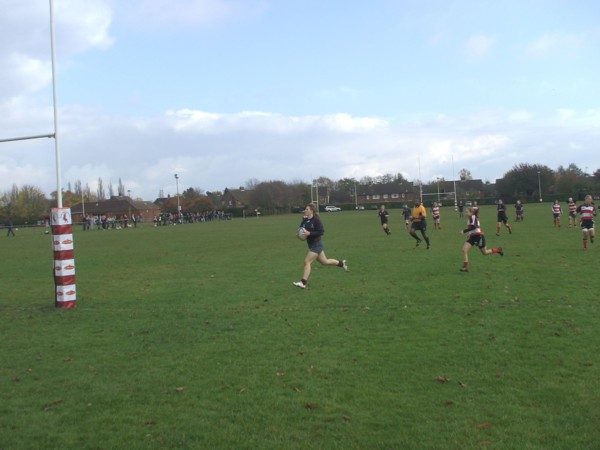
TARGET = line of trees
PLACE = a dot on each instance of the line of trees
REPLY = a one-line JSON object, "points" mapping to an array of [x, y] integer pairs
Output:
{"points": [[527, 182]]}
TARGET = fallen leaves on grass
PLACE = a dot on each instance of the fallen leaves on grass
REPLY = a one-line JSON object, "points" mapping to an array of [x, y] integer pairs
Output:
{"points": [[54, 403], [280, 374], [179, 389], [15, 379], [441, 379], [310, 406], [345, 417], [483, 425]]}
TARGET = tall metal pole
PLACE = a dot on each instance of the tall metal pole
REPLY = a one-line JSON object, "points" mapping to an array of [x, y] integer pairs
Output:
{"points": [[454, 181], [540, 186], [420, 183], [54, 97], [178, 207]]}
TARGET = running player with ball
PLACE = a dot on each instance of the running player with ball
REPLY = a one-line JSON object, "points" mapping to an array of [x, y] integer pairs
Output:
{"points": [[313, 233]]}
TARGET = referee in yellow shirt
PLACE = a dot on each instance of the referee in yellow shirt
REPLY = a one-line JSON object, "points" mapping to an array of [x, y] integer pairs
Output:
{"points": [[419, 222]]}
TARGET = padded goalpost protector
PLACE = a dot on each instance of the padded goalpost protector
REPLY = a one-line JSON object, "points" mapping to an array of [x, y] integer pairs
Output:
{"points": [[64, 259]]}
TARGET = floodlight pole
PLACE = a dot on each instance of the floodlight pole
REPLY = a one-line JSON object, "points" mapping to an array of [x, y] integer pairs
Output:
{"points": [[178, 207], [540, 186]]}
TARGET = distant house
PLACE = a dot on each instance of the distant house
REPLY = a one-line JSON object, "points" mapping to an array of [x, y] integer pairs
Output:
{"points": [[409, 192], [472, 189], [116, 206], [235, 198], [388, 192]]}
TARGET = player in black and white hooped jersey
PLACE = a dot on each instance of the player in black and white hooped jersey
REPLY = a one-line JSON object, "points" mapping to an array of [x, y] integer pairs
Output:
{"points": [[556, 213], [572, 212], [475, 238], [587, 212], [435, 214]]}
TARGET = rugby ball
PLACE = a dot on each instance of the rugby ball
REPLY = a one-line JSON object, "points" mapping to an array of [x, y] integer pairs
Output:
{"points": [[300, 234]]}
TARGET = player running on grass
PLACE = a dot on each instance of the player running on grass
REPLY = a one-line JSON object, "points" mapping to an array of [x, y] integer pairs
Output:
{"points": [[572, 212], [556, 213], [435, 213], [314, 230], [384, 216], [475, 239], [406, 213], [519, 211], [587, 212], [419, 222], [502, 218]]}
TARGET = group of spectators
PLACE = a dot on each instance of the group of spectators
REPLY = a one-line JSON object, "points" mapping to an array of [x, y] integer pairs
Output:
{"points": [[104, 222], [167, 218]]}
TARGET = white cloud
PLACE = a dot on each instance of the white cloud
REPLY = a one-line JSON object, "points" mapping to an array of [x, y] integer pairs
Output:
{"points": [[213, 151], [174, 13], [565, 114], [479, 45], [550, 44], [25, 40], [520, 116]]}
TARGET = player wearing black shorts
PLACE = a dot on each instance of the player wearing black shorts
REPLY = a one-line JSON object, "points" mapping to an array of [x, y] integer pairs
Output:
{"points": [[476, 239], [587, 212], [502, 218], [519, 211], [313, 231], [419, 222], [384, 216], [556, 213]]}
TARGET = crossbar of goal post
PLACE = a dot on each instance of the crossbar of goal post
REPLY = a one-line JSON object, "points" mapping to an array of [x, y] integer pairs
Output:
{"points": [[435, 194], [25, 138]]}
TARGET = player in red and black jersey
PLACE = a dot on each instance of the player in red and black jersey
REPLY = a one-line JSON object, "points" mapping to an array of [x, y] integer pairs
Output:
{"points": [[435, 213], [476, 239], [587, 212], [502, 218], [572, 212], [556, 213]]}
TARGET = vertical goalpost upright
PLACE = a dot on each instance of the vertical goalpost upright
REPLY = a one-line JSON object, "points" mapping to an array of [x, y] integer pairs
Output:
{"points": [[421, 194], [60, 218]]}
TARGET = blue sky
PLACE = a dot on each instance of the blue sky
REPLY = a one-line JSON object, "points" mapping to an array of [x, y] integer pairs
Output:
{"points": [[224, 91]]}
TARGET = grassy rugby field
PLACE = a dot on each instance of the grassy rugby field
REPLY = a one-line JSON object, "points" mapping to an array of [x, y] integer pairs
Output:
{"points": [[193, 336]]}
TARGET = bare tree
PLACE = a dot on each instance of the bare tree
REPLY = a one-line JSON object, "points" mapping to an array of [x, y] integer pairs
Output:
{"points": [[100, 191], [121, 188]]}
